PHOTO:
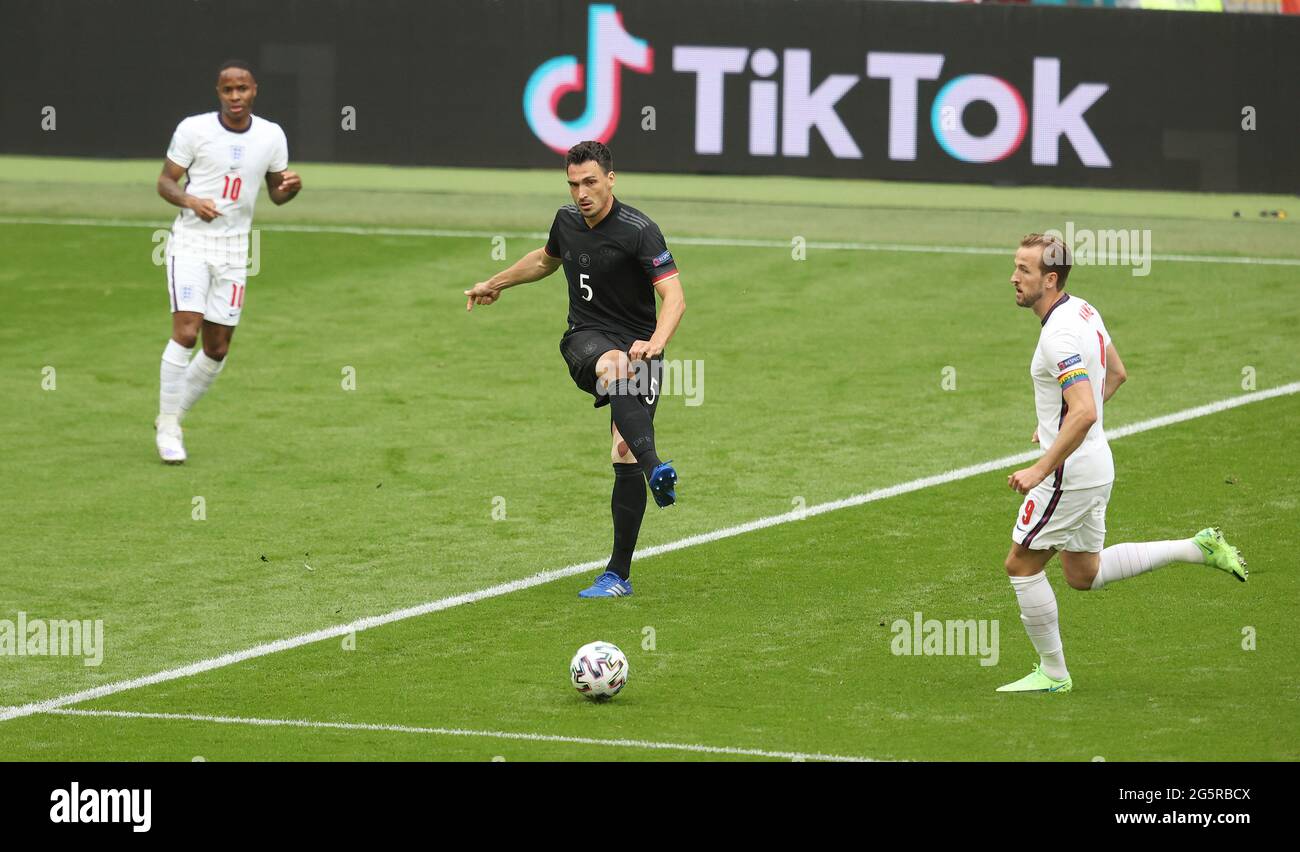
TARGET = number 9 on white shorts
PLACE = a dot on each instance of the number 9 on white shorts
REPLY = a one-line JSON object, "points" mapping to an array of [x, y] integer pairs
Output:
{"points": [[1063, 520]]}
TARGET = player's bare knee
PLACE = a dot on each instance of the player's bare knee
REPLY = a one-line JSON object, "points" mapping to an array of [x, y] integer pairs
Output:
{"points": [[184, 331], [614, 365], [216, 349], [1018, 566], [1078, 582], [618, 450], [1080, 570]]}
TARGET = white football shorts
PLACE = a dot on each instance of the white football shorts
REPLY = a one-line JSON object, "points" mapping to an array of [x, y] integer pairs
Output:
{"points": [[201, 285], [1063, 520]]}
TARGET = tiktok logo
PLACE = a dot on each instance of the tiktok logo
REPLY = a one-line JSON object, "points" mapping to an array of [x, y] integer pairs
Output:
{"points": [[608, 47], [950, 104]]}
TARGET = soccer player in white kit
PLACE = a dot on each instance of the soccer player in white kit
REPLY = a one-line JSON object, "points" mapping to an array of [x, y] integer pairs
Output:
{"points": [[1075, 369], [226, 155]]}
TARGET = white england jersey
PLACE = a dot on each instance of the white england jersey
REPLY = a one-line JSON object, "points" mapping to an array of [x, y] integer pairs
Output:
{"points": [[1072, 349], [228, 167]]}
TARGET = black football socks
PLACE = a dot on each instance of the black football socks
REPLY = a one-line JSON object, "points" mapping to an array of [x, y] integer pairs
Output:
{"points": [[627, 504], [634, 424]]}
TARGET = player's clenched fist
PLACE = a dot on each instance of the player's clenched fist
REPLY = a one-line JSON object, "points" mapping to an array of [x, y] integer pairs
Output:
{"points": [[1025, 480], [481, 294], [644, 350]]}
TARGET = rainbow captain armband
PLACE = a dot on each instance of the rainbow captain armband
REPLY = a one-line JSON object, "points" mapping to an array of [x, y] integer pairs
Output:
{"points": [[1068, 378]]}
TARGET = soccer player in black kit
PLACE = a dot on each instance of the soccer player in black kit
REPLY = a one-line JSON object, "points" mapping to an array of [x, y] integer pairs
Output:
{"points": [[615, 260]]}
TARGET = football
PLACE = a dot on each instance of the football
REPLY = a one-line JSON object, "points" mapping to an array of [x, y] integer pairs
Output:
{"points": [[598, 670]]}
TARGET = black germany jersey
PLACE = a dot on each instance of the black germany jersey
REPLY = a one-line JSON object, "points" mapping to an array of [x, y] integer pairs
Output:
{"points": [[612, 269]]}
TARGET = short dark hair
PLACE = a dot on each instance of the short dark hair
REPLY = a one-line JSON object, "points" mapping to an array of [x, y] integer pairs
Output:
{"points": [[587, 151], [236, 63], [1055, 258]]}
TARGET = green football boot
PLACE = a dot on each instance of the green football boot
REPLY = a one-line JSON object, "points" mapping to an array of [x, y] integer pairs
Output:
{"points": [[1220, 554], [1037, 681]]}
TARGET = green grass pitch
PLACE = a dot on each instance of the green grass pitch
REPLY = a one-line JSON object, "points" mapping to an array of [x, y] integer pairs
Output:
{"points": [[824, 377]]}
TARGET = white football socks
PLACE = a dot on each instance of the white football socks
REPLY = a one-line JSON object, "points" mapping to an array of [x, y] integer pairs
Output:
{"points": [[171, 383], [1038, 612], [199, 376], [1122, 561]]}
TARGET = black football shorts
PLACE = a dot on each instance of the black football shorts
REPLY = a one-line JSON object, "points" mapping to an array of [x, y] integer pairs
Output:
{"points": [[581, 351]]}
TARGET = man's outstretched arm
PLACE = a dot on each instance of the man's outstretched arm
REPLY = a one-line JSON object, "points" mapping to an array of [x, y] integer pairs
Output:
{"points": [[535, 265]]}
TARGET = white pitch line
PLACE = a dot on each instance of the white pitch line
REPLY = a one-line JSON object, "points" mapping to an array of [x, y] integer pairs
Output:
{"points": [[727, 242], [460, 732], [544, 577]]}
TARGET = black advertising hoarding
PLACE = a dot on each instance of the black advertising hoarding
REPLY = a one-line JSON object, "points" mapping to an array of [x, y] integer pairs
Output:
{"points": [[840, 88]]}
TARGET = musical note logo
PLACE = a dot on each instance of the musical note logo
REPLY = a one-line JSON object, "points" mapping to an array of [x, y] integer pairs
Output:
{"points": [[609, 46]]}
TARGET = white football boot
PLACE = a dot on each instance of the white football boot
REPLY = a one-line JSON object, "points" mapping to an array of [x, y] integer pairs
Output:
{"points": [[171, 447]]}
